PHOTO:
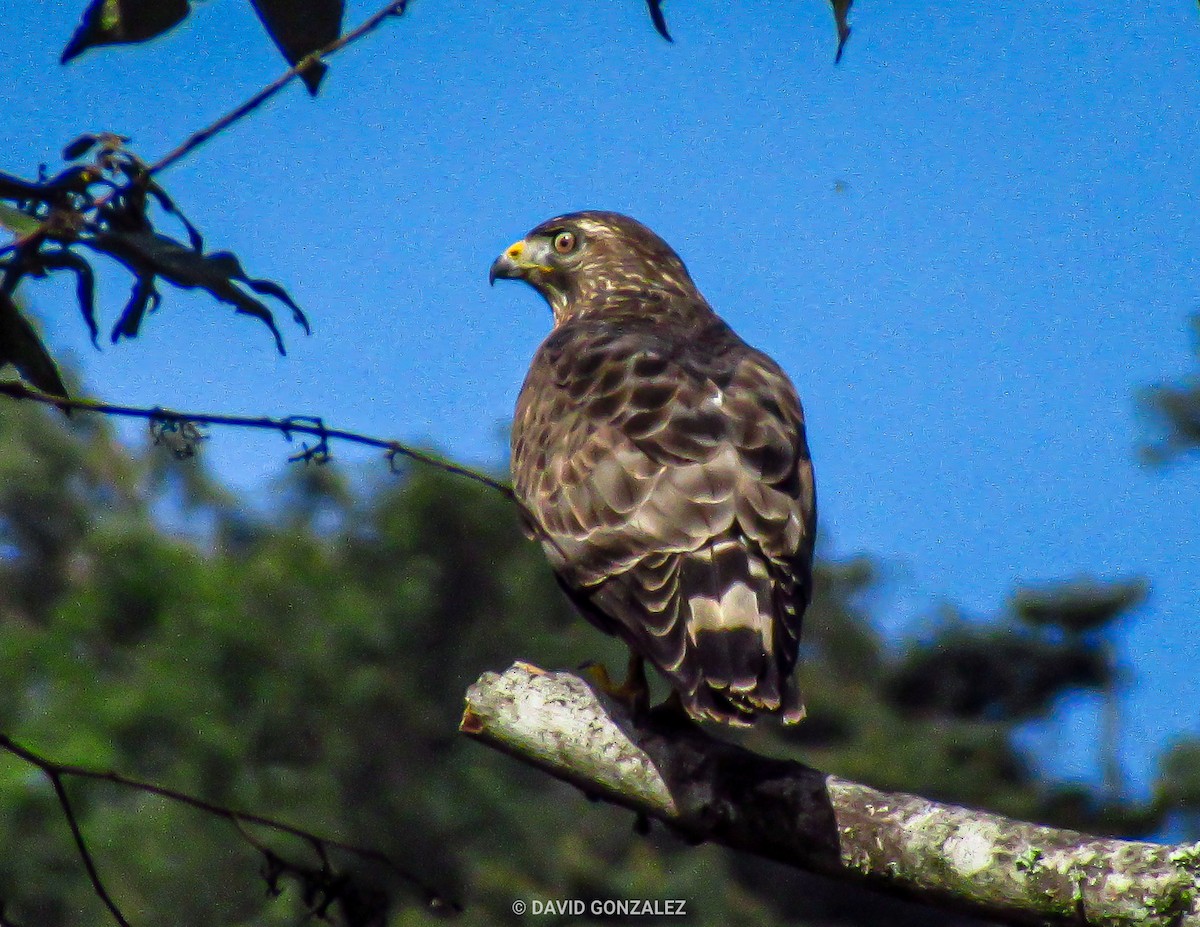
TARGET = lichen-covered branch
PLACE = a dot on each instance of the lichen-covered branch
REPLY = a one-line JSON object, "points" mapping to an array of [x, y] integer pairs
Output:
{"points": [[707, 789]]}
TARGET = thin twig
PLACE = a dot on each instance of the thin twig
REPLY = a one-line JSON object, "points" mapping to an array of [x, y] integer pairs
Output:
{"points": [[285, 426], [97, 204], [55, 772], [88, 863], [305, 425], [198, 138], [396, 8]]}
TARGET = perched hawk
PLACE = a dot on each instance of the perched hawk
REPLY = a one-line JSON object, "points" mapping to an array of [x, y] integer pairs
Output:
{"points": [[664, 465]]}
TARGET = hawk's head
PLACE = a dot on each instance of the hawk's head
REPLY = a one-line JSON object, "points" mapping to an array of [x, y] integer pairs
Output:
{"points": [[588, 260]]}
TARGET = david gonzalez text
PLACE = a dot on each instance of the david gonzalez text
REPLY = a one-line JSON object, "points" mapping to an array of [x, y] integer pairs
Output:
{"points": [[609, 907]]}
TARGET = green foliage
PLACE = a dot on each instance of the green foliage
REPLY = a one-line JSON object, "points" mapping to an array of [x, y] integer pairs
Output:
{"points": [[1174, 409], [1178, 788], [1078, 607], [309, 663]]}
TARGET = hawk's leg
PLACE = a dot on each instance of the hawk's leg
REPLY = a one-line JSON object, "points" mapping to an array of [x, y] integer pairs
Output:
{"points": [[633, 693], [673, 712]]}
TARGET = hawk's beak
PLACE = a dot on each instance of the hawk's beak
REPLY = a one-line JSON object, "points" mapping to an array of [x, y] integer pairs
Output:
{"points": [[509, 265], [524, 260]]}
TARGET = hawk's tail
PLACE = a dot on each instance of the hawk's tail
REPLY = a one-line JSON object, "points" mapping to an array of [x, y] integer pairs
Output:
{"points": [[741, 652]]}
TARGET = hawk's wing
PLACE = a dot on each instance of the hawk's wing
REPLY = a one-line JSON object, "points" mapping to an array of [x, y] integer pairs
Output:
{"points": [[672, 489]]}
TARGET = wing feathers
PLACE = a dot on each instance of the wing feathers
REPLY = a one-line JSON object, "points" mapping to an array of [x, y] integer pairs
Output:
{"points": [[673, 481]]}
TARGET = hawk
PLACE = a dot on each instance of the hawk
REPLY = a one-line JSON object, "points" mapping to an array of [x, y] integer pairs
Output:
{"points": [[662, 464]]}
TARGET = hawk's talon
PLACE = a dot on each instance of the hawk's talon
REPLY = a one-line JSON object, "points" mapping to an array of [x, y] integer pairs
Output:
{"points": [[633, 693]]}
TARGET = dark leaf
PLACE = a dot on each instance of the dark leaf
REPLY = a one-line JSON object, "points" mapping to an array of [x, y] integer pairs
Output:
{"points": [[168, 205], [271, 288], [301, 27], [14, 188], [21, 347], [145, 297], [74, 179], [126, 211], [233, 266], [656, 17], [841, 12], [85, 283], [148, 255], [79, 147], [121, 22]]}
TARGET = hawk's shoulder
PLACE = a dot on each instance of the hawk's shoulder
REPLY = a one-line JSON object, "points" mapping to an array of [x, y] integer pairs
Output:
{"points": [[655, 432]]}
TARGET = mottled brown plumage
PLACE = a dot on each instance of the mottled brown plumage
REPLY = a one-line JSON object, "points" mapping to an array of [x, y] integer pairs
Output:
{"points": [[664, 464]]}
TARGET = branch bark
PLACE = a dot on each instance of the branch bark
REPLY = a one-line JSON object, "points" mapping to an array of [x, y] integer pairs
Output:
{"points": [[709, 790]]}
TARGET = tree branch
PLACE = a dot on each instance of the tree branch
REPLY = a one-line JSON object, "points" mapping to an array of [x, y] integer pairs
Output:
{"points": [[197, 139], [323, 884], [178, 430], [709, 790], [292, 425]]}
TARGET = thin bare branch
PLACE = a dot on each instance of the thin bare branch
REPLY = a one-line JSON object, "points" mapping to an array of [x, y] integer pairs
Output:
{"points": [[56, 772], [185, 423], [197, 139], [293, 425]]}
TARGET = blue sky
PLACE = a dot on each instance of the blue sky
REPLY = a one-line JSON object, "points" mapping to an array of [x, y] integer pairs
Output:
{"points": [[968, 244]]}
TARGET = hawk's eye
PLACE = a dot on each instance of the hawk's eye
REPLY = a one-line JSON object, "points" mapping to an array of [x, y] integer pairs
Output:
{"points": [[564, 242]]}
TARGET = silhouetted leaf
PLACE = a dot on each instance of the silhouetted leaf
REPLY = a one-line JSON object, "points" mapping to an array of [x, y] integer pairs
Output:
{"points": [[149, 254], [79, 147], [841, 12], [656, 17], [85, 283], [74, 179], [21, 347], [301, 27], [13, 187], [144, 298], [121, 22], [168, 205], [233, 267]]}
